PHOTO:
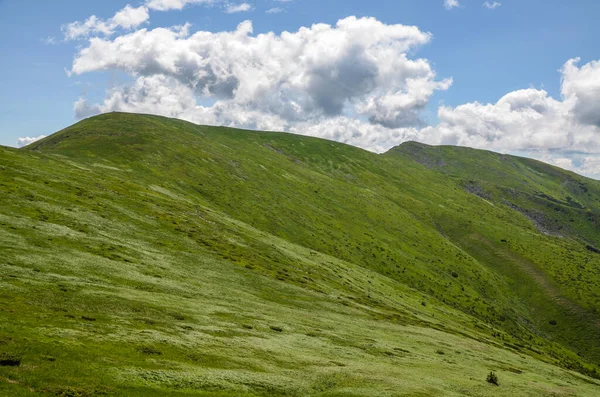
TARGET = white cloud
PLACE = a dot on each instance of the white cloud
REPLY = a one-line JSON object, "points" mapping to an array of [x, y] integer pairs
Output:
{"points": [[450, 4], [529, 119], [127, 18], [274, 10], [492, 5], [233, 8], [358, 69], [130, 17], [525, 119], [582, 87], [21, 142]]}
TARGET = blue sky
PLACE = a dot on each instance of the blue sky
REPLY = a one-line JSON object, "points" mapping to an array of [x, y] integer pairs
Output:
{"points": [[488, 53]]}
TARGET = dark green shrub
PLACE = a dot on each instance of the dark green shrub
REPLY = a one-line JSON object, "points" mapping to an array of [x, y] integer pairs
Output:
{"points": [[454, 274], [149, 350], [552, 322], [276, 329], [9, 360], [492, 378]]}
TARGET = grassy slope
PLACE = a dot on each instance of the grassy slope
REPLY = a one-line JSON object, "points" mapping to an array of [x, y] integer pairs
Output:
{"points": [[239, 262]]}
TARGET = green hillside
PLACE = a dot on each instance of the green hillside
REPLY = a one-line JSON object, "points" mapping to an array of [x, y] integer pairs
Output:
{"points": [[146, 256]]}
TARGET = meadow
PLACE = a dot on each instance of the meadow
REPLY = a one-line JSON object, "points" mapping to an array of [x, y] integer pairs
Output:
{"points": [[147, 256]]}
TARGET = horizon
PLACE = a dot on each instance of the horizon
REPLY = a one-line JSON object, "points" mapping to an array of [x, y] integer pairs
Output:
{"points": [[520, 79]]}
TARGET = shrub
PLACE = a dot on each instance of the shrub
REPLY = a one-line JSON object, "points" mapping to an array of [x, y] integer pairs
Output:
{"points": [[454, 274], [9, 360], [552, 322], [277, 329], [149, 350], [492, 378]]}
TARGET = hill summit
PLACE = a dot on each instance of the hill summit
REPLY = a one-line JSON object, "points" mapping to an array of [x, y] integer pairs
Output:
{"points": [[142, 256]]}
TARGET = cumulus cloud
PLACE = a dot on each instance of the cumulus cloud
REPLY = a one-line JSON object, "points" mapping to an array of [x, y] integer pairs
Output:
{"points": [[581, 86], [127, 18], [358, 69], [529, 119], [492, 5], [450, 4], [21, 142], [233, 8]]}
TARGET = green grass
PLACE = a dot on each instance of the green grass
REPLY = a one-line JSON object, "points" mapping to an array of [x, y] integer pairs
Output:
{"points": [[145, 256]]}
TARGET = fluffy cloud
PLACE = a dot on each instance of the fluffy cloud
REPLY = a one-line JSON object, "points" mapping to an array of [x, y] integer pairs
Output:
{"points": [[450, 4], [233, 8], [525, 119], [529, 119], [581, 86], [127, 18], [357, 71], [21, 142]]}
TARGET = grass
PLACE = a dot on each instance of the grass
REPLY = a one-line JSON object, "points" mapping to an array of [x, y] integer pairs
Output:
{"points": [[148, 256]]}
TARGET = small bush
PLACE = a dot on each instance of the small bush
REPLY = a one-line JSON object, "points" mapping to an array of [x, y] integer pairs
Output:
{"points": [[440, 352], [552, 322], [276, 329], [9, 360], [149, 350], [454, 274], [492, 378]]}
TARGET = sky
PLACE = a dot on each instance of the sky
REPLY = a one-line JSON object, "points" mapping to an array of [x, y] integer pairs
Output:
{"points": [[518, 77]]}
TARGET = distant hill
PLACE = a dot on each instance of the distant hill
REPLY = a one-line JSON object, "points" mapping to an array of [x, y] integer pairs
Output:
{"points": [[141, 255]]}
